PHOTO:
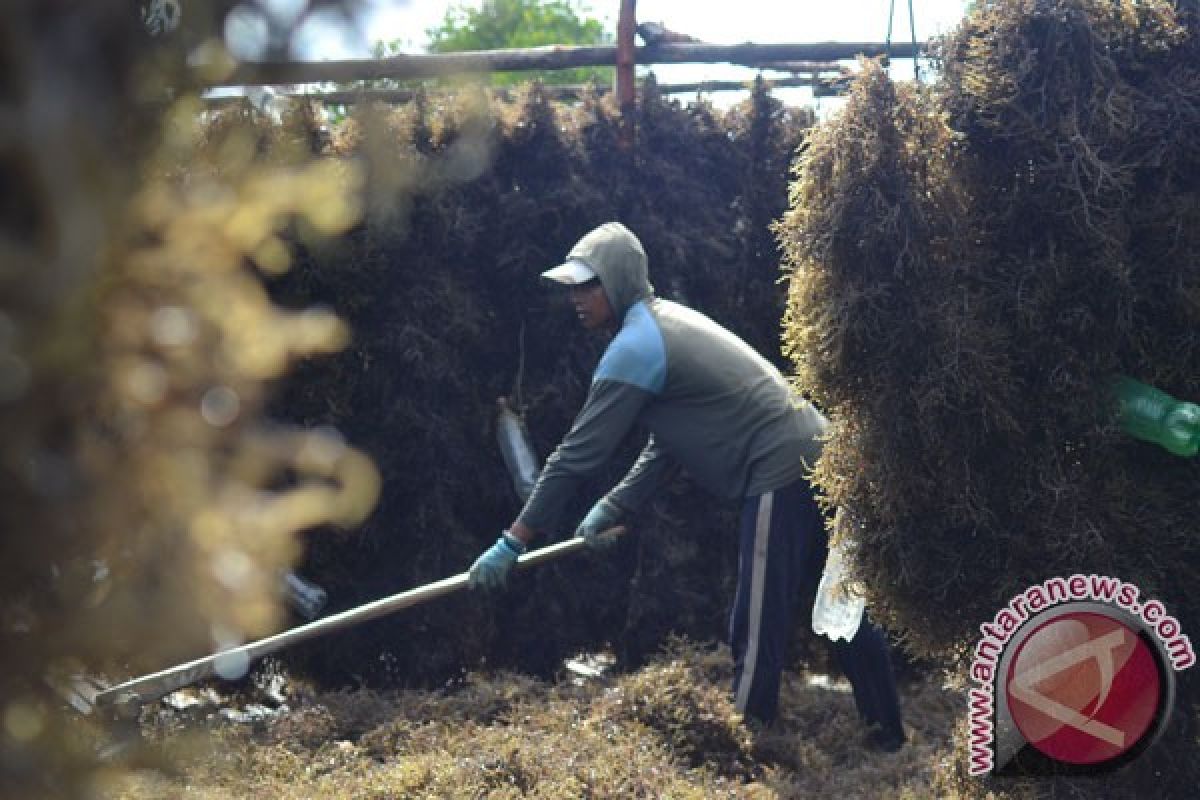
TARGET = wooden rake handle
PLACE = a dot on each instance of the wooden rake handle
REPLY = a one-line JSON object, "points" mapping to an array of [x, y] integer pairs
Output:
{"points": [[134, 693]]}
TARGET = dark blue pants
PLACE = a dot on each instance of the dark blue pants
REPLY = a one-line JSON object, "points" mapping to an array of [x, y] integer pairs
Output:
{"points": [[783, 548]]}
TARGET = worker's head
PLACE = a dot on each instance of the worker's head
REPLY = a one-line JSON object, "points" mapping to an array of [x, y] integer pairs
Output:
{"points": [[591, 305], [606, 273], [587, 294]]}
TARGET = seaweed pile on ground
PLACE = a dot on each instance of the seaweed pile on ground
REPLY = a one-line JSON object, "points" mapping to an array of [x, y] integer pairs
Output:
{"points": [[666, 730], [972, 264], [441, 287]]}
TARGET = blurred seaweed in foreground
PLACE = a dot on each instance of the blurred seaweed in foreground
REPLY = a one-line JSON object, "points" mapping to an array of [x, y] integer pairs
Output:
{"points": [[146, 506]]}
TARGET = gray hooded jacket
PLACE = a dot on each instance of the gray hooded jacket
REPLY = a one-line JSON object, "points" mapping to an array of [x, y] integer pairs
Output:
{"points": [[711, 403]]}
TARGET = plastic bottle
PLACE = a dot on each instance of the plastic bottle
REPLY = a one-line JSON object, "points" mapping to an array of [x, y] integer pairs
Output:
{"points": [[838, 609], [514, 448], [305, 597], [1152, 415]]}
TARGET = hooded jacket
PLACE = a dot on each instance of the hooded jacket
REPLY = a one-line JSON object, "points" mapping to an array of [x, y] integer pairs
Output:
{"points": [[712, 404]]}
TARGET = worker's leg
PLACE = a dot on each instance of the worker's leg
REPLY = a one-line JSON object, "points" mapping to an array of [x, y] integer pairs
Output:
{"points": [[776, 534], [865, 661]]}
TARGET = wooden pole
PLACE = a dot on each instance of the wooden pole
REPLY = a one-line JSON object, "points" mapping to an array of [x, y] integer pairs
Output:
{"points": [[407, 67], [135, 693], [352, 96], [801, 66], [626, 27], [736, 86]]}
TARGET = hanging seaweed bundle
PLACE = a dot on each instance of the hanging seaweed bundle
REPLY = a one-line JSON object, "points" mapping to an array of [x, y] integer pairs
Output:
{"points": [[971, 265]]}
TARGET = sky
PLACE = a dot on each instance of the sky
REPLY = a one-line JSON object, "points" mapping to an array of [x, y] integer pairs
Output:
{"points": [[762, 21]]}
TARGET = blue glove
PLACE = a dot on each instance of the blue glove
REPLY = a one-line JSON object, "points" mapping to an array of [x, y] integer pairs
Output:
{"points": [[603, 516], [490, 570]]}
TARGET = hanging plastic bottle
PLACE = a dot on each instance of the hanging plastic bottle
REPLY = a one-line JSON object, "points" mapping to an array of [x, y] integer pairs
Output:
{"points": [[838, 609], [518, 456], [1152, 415], [305, 597]]}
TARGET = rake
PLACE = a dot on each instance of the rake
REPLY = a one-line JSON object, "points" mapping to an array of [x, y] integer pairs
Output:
{"points": [[126, 699]]}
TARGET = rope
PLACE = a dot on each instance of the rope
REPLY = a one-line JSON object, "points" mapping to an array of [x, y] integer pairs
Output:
{"points": [[887, 42], [912, 29], [519, 379]]}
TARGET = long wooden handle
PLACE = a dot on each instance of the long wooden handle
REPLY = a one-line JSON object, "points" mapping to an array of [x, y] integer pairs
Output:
{"points": [[236, 661]]}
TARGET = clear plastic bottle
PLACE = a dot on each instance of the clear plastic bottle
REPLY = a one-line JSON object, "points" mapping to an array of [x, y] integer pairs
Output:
{"points": [[515, 449], [305, 597], [838, 608], [1152, 415]]}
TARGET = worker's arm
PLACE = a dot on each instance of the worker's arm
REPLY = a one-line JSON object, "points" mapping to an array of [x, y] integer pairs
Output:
{"points": [[647, 474], [653, 468], [631, 373], [611, 410]]}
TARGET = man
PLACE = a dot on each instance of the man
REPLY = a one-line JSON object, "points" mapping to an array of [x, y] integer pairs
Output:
{"points": [[717, 408]]}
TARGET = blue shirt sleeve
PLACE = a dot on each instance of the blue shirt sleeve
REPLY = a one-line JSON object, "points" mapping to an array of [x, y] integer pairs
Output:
{"points": [[637, 355]]}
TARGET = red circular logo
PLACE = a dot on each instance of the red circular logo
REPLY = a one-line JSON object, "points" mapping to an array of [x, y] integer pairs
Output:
{"points": [[1084, 688]]}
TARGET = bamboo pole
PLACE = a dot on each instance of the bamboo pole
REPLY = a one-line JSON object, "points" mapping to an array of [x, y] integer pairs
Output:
{"points": [[407, 67]]}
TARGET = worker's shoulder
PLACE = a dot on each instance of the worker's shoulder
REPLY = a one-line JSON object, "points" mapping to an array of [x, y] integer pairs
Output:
{"points": [[637, 354], [675, 317]]}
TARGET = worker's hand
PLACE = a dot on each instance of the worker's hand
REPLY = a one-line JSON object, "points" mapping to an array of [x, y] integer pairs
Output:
{"points": [[594, 530], [490, 570]]}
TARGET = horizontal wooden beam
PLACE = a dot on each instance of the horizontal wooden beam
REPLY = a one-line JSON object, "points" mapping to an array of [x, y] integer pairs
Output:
{"points": [[806, 66], [734, 86], [430, 65], [344, 97]]}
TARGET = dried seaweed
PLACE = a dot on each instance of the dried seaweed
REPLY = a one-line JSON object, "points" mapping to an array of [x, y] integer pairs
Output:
{"points": [[444, 296], [972, 263]]}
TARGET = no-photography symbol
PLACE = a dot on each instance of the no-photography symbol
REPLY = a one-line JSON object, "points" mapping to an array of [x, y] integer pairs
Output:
{"points": [[1086, 688]]}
